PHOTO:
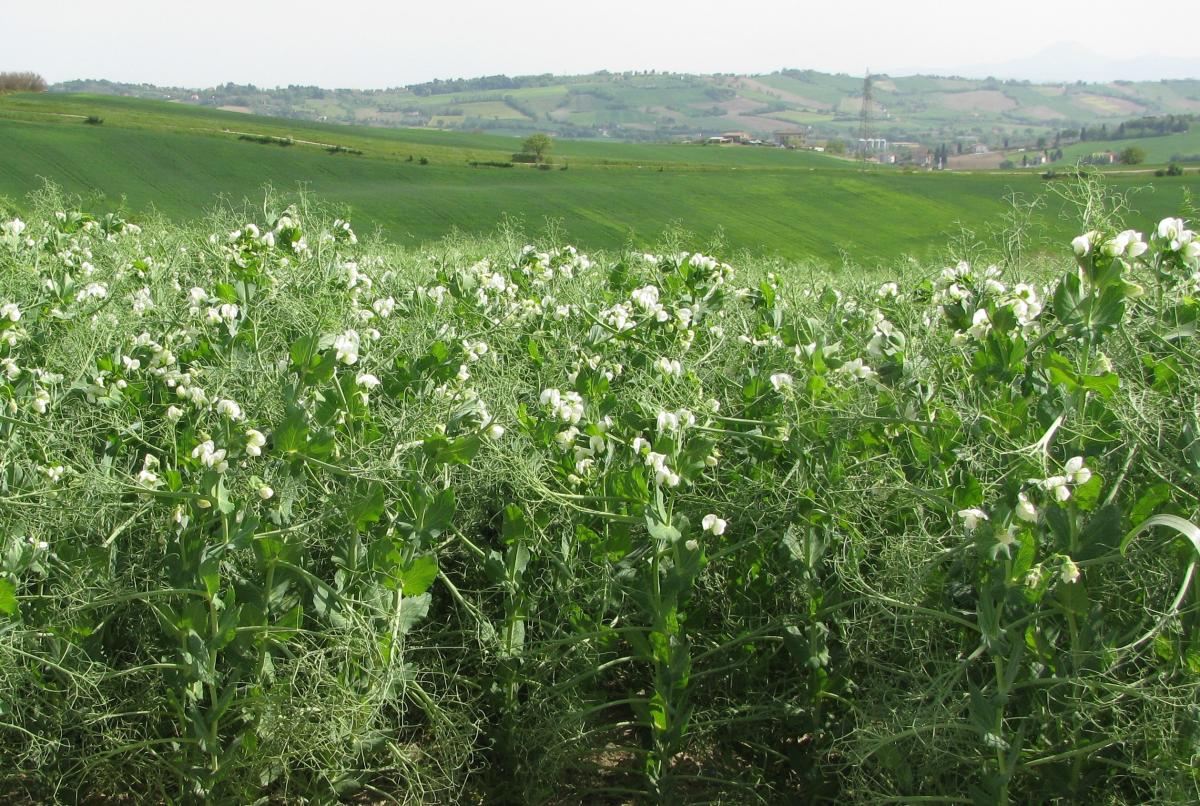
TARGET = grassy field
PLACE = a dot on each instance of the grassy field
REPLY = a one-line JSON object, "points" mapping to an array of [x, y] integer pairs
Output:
{"points": [[177, 160], [1159, 150]]}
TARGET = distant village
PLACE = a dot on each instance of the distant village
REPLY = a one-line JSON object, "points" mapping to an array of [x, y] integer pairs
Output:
{"points": [[966, 154], [874, 149]]}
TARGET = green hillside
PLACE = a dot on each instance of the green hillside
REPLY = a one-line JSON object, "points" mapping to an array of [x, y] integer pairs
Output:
{"points": [[1159, 150], [179, 160], [657, 106]]}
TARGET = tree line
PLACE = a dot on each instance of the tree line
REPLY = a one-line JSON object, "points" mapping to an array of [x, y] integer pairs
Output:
{"points": [[1142, 127]]}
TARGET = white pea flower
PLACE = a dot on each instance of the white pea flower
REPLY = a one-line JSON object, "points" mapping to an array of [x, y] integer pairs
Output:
{"points": [[646, 298], [266, 493], [669, 366], [1025, 510], [639, 445], [667, 421], [857, 369], [1058, 486], [566, 439], [92, 291], [54, 473], [255, 440], [1083, 244], [494, 431], [10, 311], [1076, 472], [1006, 541], [1069, 573], [781, 381], [567, 407], [662, 472], [230, 409], [346, 346], [972, 518], [10, 369], [981, 324], [174, 413], [475, 350], [1175, 233], [367, 381], [711, 523], [210, 457]]}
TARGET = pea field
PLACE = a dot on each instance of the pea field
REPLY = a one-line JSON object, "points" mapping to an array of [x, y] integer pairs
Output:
{"points": [[290, 515]]}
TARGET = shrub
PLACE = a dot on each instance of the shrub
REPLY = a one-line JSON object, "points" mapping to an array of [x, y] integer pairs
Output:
{"points": [[266, 139], [22, 82], [1132, 155]]}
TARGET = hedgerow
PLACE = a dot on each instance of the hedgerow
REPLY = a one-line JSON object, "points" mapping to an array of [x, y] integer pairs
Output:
{"points": [[287, 515]]}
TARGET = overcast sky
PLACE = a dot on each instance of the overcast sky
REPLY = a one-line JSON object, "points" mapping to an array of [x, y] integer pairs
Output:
{"points": [[372, 43]]}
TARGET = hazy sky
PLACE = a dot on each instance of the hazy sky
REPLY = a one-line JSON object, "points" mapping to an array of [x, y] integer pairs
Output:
{"points": [[369, 43]]}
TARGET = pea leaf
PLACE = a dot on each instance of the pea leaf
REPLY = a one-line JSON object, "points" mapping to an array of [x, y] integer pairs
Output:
{"points": [[8, 598], [418, 575]]}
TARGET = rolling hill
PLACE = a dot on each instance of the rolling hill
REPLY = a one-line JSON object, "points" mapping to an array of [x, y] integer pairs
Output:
{"points": [[180, 160], [657, 106]]}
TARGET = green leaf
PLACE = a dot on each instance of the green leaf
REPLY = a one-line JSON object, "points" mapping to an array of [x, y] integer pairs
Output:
{"points": [[435, 515], [1102, 533], [368, 508], [1087, 494], [224, 505], [292, 434], [1150, 500], [1061, 371], [1105, 385], [458, 451], [417, 576], [8, 597], [514, 527], [412, 610]]}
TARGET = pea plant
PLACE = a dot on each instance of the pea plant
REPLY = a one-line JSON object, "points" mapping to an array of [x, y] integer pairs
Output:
{"points": [[289, 516]]}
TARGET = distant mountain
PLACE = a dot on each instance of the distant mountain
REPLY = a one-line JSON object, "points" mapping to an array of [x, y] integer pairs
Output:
{"points": [[806, 104], [1070, 62]]}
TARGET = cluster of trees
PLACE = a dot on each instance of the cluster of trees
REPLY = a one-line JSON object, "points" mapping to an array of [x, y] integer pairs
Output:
{"points": [[1142, 127], [22, 82], [499, 82]]}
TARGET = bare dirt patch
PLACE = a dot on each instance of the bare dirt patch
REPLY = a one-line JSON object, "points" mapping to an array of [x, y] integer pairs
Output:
{"points": [[975, 101], [1107, 105], [1041, 113], [783, 95]]}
